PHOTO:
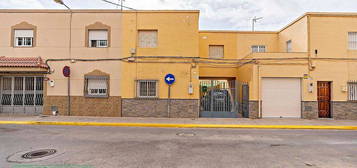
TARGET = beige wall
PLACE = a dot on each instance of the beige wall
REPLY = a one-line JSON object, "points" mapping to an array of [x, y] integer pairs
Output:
{"points": [[297, 32], [53, 42]]}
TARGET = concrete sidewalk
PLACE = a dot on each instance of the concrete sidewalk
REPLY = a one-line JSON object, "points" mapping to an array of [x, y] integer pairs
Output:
{"points": [[183, 122]]}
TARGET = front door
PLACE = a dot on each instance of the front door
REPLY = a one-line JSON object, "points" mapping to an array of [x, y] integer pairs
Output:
{"points": [[324, 99]]}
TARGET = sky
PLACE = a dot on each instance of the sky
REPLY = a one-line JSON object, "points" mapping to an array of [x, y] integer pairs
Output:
{"points": [[215, 14]]}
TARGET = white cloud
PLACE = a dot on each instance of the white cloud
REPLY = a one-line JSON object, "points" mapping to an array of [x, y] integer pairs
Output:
{"points": [[215, 14]]}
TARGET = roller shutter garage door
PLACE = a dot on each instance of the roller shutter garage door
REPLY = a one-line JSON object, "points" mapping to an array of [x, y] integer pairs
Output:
{"points": [[281, 97]]}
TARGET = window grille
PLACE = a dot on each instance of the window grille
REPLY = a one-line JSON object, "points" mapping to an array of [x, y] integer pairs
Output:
{"points": [[216, 51], [98, 38], [96, 86], [352, 40], [352, 90], [258, 48], [148, 38], [147, 88]]}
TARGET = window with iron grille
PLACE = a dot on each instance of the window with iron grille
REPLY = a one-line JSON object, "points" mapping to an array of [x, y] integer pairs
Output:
{"points": [[352, 40], [23, 38], [146, 88], [258, 48], [148, 38], [352, 90], [216, 51], [98, 38], [96, 86]]}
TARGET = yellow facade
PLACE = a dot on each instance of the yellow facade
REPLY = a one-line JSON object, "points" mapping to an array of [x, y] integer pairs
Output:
{"points": [[179, 41], [319, 52]]}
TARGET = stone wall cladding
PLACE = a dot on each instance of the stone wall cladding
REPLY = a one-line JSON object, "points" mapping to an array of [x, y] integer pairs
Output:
{"points": [[253, 109], [179, 108], [344, 110], [309, 110], [84, 106]]}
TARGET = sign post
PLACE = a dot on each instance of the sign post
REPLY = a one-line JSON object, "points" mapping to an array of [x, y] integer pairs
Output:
{"points": [[169, 80], [67, 73]]}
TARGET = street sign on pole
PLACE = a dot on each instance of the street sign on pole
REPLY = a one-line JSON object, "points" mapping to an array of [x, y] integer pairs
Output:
{"points": [[66, 71], [169, 79]]}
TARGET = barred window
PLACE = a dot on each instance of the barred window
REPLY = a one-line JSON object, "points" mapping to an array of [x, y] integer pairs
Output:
{"points": [[147, 38], [96, 86], [216, 51], [258, 48], [146, 88], [352, 40], [352, 90], [98, 38]]}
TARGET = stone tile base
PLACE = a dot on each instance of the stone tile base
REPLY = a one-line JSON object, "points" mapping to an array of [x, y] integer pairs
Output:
{"points": [[83, 106], [253, 109], [344, 110], [309, 110], [179, 108]]}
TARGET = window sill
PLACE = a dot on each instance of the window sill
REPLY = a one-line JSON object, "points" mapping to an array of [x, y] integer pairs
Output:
{"points": [[97, 47], [147, 98], [93, 96], [23, 46]]}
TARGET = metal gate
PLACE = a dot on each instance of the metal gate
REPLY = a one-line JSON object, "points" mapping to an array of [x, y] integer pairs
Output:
{"points": [[245, 100], [218, 99], [21, 95]]}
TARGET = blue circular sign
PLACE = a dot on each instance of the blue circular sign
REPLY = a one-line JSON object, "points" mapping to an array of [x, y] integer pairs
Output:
{"points": [[169, 79]]}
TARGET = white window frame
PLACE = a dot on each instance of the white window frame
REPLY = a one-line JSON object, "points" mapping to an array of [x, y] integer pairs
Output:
{"points": [[89, 91], [352, 90], [258, 48], [352, 40], [138, 87], [210, 54], [289, 46], [98, 43], [24, 40]]}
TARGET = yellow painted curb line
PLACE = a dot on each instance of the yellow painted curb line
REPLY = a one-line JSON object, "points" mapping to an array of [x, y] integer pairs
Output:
{"points": [[179, 125]]}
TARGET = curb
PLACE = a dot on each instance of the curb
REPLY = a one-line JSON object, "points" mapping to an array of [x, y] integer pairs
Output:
{"points": [[326, 127]]}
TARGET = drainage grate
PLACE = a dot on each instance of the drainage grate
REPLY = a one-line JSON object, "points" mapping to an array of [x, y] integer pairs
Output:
{"points": [[39, 153]]}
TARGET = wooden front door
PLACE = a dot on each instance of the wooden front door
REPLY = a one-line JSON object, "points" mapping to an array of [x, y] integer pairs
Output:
{"points": [[324, 99]]}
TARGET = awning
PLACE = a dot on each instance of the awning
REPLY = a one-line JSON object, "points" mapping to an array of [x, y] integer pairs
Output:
{"points": [[22, 62]]}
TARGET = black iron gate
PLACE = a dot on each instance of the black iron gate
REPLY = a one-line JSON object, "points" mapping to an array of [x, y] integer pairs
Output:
{"points": [[218, 99]]}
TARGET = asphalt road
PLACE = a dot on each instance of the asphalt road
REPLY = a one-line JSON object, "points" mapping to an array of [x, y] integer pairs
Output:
{"points": [[114, 147]]}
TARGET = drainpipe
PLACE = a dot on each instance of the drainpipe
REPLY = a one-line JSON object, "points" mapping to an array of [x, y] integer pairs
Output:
{"points": [[259, 94], [70, 57]]}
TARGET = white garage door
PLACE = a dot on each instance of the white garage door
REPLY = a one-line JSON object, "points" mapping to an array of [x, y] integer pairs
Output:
{"points": [[281, 97]]}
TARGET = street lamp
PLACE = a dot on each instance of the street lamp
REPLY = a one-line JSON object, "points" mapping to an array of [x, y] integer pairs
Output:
{"points": [[69, 53], [254, 20], [62, 3]]}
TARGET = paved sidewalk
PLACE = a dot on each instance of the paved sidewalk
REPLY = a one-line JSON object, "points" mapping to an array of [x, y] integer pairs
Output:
{"points": [[217, 121]]}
